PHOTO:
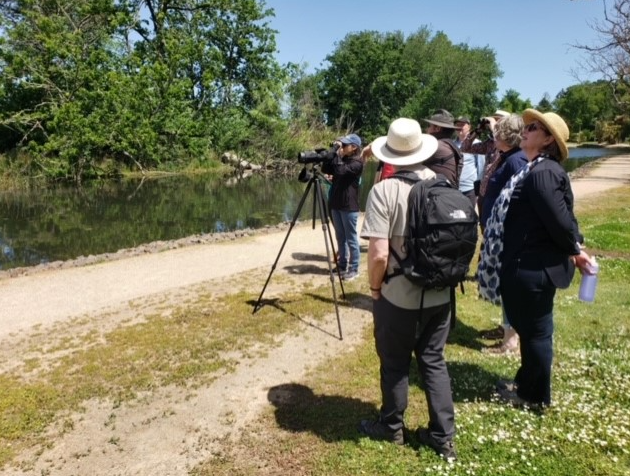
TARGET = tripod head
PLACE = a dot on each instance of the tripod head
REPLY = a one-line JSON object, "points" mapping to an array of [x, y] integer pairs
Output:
{"points": [[312, 172]]}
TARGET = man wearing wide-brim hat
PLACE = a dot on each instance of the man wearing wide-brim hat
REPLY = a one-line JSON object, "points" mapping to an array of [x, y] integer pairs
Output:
{"points": [[447, 160], [404, 322]]}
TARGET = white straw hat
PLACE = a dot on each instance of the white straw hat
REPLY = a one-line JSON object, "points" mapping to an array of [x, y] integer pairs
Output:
{"points": [[404, 144]]}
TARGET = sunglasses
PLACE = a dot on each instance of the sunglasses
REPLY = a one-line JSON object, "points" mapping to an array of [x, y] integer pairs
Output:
{"points": [[535, 127]]}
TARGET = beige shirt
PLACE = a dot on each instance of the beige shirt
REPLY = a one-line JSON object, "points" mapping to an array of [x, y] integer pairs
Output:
{"points": [[386, 217]]}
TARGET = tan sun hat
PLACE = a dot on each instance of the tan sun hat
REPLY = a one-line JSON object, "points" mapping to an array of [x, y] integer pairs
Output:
{"points": [[554, 124], [404, 144]]}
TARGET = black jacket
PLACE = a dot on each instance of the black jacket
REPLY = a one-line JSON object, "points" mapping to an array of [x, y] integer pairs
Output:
{"points": [[540, 229], [344, 192]]}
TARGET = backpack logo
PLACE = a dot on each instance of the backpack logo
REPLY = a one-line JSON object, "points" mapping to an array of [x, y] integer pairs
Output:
{"points": [[458, 215]]}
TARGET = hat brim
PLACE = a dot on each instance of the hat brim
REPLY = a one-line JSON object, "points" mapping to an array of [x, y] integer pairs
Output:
{"points": [[384, 154], [446, 125], [531, 115]]}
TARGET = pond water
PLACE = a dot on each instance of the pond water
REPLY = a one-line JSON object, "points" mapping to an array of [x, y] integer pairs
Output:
{"points": [[63, 223]]}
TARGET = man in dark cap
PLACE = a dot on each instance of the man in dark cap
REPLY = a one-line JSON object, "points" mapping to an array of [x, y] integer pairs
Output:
{"points": [[447, 160]]}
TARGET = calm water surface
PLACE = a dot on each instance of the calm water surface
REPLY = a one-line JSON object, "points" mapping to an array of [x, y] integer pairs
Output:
{"points": [[63, 223]]}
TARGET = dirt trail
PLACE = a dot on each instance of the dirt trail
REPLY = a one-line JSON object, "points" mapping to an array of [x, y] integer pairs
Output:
{"points": [[168, 432]]}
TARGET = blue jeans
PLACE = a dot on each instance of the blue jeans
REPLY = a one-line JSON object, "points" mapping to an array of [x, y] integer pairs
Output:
{"points": [[348, 248], [527, 295]]}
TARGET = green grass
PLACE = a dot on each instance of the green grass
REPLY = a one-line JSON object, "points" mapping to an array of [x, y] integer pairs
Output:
{"points": [[585, 432]]}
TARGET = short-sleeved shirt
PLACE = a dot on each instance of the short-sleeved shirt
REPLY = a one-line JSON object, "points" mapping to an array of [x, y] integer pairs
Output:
{"points": [[386, 217]]}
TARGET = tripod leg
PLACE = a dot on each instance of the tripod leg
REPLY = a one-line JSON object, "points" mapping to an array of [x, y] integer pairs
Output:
{"points": [[319, 196], [286, 238]]}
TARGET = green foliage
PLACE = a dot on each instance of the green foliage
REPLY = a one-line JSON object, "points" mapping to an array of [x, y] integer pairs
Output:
{"points": [[453, 77], [87, 81], [512, 102], [375, 77], [545, 104], [585, 106]]}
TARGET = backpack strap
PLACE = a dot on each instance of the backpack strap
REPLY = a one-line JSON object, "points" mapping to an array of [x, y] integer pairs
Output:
{"points": [[453, 308], [397, 271], [409, 177]]}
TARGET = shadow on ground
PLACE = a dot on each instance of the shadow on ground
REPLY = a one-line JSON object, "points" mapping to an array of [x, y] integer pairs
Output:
{"points": [[330, 417]]}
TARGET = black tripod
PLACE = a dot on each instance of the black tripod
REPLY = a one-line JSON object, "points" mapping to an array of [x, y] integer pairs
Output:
{"points": [[319, 207]]}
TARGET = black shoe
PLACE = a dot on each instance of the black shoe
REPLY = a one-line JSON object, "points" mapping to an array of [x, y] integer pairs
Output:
{"points": [[379, 431], [445, 450], [509, 385], [493, 334], [509, 396]]}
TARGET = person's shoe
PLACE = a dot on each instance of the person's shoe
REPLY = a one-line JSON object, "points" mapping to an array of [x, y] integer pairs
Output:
{"points": [[445, 450], [509, 385], [350, 276], [501, 349], [511, 397], [376, 430], [493, 334], [341, 271]]}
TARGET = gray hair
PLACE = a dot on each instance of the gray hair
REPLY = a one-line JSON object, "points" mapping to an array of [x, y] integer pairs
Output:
{"points": [[509, 129]]}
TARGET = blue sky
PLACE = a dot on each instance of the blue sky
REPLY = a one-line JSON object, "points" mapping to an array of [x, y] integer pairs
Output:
{"points": [[531, 38]]}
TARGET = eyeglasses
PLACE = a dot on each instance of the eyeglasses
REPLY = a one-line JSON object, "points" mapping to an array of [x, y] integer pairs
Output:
{"points": [[535, 127]]}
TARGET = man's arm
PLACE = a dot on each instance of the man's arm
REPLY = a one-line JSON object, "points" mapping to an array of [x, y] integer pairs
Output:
{"points": [[378, 252]]}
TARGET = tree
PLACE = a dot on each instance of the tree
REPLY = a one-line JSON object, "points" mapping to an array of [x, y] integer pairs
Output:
{"points": [[143, 82], [545, 104], [584, 106], [375, 77], [611, 57], [453, 77], [367, 82], [512, 102]]}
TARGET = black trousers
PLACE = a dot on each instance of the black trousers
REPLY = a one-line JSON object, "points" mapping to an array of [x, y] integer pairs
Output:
{"points": [[527, 296], [398, 334]]}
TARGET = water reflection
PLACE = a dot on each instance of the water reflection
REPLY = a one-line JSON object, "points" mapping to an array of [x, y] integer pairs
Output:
{"points": [[62, 223]]}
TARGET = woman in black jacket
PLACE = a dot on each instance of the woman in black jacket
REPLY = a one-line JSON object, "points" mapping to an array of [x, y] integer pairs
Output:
{"points": [[540, 249], [346, 169]]}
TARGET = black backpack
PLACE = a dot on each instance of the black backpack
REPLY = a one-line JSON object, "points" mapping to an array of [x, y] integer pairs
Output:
{"points": [[442, 235]]}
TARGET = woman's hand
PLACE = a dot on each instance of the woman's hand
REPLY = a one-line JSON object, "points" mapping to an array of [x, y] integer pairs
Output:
{"points": [[583, 262], [366, 153]]}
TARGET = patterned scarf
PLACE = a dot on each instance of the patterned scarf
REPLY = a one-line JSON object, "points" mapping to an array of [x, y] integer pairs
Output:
{"points": [[492, 245]]}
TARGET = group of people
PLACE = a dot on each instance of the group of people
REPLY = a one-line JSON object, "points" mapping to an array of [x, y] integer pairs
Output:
{"points": [[531, 246]]}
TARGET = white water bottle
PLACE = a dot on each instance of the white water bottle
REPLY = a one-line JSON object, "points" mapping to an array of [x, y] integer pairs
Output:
{"points": [[589, 282]]}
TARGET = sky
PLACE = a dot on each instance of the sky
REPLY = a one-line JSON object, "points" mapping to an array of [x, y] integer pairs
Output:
{"points": [[531, 38]]}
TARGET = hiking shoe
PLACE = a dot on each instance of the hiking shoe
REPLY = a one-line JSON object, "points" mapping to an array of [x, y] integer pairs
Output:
{"points": [[444, 450], [376, 430], [509, 385], [493, 334], [350, 276], [501, 349], [341, 271], [511, 397]]}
